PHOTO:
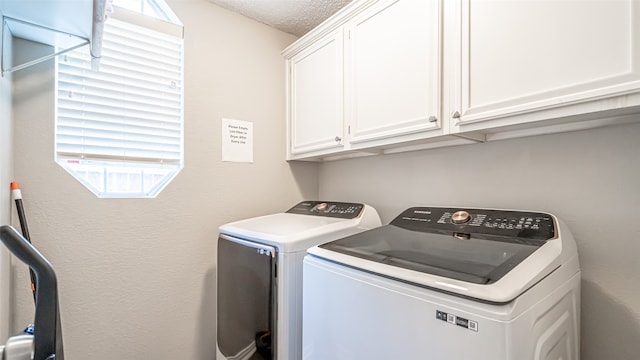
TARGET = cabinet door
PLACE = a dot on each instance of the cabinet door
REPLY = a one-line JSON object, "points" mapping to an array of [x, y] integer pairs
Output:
{"points": [[525, 61], [316, 96], [393, 73]]}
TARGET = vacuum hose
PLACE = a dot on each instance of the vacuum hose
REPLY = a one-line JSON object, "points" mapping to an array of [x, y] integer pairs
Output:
{"points": [[47, 338]]}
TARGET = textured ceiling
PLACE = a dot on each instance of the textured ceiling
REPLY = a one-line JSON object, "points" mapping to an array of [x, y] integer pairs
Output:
{"points": [[295, 17]]}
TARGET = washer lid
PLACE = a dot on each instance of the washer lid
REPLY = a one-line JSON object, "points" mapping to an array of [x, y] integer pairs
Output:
{"points": [[474, 260], [461, 251]]}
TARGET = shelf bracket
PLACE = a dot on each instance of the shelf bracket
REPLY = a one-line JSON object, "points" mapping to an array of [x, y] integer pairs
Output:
{"points": [[14, 27]]}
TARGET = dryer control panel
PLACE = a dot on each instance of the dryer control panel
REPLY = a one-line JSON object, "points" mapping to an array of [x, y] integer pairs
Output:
{"points": [[334, 209], [478, 222]]}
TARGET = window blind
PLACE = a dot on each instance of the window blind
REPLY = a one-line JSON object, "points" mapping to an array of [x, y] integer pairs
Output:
{"points": [[130, 111]]}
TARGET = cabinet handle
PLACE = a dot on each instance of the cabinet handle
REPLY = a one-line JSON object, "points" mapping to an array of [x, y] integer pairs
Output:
{"points": [[456, 115], [433, 119], [338, 139]]}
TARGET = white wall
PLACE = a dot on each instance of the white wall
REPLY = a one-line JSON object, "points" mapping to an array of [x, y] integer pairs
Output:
{"points": [[137, 277], [6, 168], [589, 179]]}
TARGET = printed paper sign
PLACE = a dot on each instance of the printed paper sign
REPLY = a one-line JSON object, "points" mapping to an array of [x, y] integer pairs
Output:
{"points": [[237, 141]]}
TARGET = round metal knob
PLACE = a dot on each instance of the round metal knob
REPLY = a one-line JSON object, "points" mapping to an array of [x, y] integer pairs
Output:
{"points": [[460, 217], [321, 206]]}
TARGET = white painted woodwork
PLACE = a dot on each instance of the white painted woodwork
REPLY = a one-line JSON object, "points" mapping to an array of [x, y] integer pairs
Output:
{"points": [[482, 70], [393, 69], [526, 61], [389, 94], [69, 16], [316, 96]]}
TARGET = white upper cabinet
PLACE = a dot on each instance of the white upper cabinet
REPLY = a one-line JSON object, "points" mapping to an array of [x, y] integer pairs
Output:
{"points": [[367, 80], [539, 62], [316, 96], [393, 68], [414, 74]]}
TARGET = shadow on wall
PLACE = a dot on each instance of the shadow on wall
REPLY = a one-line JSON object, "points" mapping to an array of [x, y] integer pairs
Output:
{"points": [[306, 177], [608, 327], [206, 327]]}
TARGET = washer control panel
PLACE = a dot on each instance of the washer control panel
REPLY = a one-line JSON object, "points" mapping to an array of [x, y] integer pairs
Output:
{"points": [[464, 223], [341, 210]]}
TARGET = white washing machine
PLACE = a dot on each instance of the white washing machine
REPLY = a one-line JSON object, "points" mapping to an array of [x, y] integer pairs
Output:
{"points": [[259, 275], [444, 284]]}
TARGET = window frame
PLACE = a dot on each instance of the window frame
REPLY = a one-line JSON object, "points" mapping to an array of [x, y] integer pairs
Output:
{"points": [[170, 27]]}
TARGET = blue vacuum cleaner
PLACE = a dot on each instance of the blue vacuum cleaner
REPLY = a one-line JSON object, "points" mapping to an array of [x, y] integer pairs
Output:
{"points": [[46, 341]]}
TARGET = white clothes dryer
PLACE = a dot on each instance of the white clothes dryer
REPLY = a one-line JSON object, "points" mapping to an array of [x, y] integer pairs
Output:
{"points": [[259, 275], [442, 284]]}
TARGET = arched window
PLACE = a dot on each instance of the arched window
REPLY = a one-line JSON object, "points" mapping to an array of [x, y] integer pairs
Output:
{"points": [[119, 128]]}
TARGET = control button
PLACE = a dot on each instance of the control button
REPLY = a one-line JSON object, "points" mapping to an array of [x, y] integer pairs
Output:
{"points": [[473, 325], [460, 217]]}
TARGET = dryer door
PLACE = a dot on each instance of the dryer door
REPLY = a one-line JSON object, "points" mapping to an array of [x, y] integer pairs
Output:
{"points": [[246, 298]]}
